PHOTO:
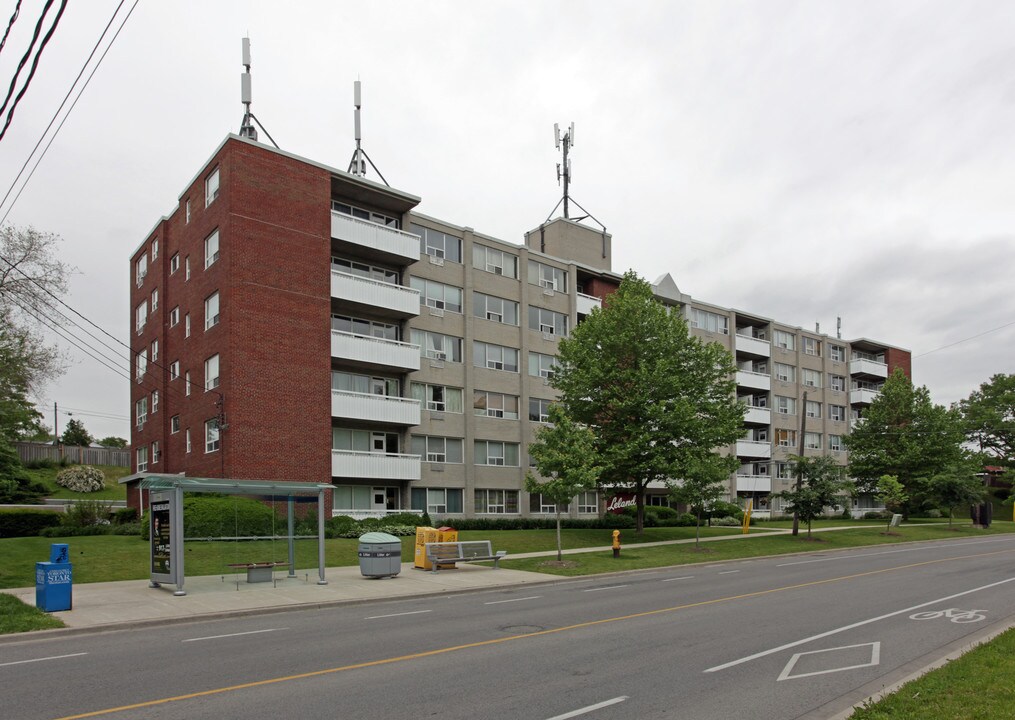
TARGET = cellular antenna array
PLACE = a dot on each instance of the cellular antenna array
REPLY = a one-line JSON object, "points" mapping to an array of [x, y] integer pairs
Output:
{"points": [[358, 163], [564, 172], [247, 129]]}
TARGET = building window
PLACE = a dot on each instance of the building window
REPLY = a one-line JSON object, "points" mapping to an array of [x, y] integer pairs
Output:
{"points": [[494, 261], [362, 214], [174, 424], [141, 411], [438, 501], [437, 244], [783, 470], [174, 316], [155, 401], [141, 364], [186, 267], [174, 263], [835, 442], [497, 405], [437, 295], [155, 249], [186, 380], [174, 369], [141, 316], [438, 398], [364, 328], [784, 372], [211, 249], [812, 378], [494, 357], [539, 409], [497, 502], [141, 269], [431, 448], [785, 405], [211, 187], [588, 502], [493, 308], [837, 413], [188, 210], [491, 452], [710, 322], [211, 435], [155, 351], [837, 382], [142, 459], [155, 300], [543, 506], [784, 340], [211, 373], [155, 452], [437, 346], [813, 409], [211, 311], [785, 438], [541, 364], [547, 276], [837, 353], [547, 322], [363, 270], [812, 441], [811, 346], [188, 439], [186, 325]]}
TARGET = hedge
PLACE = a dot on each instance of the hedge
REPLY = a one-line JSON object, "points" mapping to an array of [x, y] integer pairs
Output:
{"points": [[26, 523]]}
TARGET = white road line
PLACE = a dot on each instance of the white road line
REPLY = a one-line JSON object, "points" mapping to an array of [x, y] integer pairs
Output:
{"points": [[608, 587], [54, 657], [414, 612], [727, 572], [844, 628], [217, 637], [498, 602], [590, 708], [685, 577], [886, 552]]}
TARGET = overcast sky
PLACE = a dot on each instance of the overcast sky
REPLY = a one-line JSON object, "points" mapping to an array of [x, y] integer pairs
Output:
{"points": [[800, 161]]}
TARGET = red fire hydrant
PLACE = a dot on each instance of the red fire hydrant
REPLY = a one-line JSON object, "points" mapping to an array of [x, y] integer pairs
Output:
{"points": [[616, 543]]}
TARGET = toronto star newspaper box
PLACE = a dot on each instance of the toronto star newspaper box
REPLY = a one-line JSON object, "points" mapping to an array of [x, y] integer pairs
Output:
{"points": [[53, 587]]}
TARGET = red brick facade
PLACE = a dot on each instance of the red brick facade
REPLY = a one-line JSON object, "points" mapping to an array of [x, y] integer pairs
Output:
{"points": [[899, 359]]}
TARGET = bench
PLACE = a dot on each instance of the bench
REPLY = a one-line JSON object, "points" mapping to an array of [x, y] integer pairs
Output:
{"points": [[258, 571], [448, 553]]}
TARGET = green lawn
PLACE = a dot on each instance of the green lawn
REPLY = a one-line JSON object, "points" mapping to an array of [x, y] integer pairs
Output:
{"points": [[16, 617], [112, 491]]}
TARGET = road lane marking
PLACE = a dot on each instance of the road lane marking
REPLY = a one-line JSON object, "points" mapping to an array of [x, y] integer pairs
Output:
{"points": [[54, 657], [874, 661], [727, 572], [855, 625], [890, 552], [498, 602], [589, 708], [414, 612], [510, 638], [684, 577], [217, 637], [607, 587]]}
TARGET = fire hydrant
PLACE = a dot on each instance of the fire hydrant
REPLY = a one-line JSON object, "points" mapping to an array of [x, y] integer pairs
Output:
{"points": [[616, 543]]}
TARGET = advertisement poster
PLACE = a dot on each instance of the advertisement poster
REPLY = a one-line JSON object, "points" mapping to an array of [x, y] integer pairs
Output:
{"points": [[162, 538]]}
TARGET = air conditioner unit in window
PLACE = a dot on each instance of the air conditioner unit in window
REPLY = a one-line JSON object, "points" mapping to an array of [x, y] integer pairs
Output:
{"points": [[547, 335], [547, 283], [548, 291], [495, 269], [437, 260], [435, 355], [437, 312]]}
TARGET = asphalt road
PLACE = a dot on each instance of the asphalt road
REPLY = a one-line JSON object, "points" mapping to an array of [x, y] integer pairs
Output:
{"points": [[788, 637]]}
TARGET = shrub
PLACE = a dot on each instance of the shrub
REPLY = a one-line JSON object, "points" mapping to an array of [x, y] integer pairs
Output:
{"points": [[86, 513], [933, 513], [662, 512], [876, 515], [72, 531], [683, 520], [124, 516], [132, 528], [41, 463], [725, 521], [214, 516], [26, 523], [81, 478], [724, 509]]}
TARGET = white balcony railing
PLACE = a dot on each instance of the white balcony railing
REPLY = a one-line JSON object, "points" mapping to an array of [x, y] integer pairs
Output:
{"points": [[757, 381], [374, 293], [385, 240], [375, 466], [863, 366], [374, 351], [758, 415], [753, 346], [754, 483], [374, 408], [754, 449], [862, 397], [585, 303]]}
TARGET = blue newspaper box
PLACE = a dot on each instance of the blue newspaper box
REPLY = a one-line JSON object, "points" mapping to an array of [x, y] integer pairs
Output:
{"points": [[53, 580]]}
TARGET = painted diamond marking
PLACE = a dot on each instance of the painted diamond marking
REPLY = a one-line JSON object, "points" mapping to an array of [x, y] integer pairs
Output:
{"points": [[875, 659]]}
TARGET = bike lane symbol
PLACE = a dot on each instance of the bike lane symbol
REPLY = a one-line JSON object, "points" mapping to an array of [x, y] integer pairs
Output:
{"points": [[954, 614]]}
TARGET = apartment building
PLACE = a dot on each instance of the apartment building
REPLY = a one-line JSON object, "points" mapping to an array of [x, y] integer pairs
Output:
{"points": [[296, 322]]}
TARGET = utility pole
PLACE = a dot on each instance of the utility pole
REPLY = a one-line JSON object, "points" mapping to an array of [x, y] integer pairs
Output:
{"points": [[800, 463]]}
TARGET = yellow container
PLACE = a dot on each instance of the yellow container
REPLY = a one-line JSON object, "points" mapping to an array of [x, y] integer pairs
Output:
{"points": [[424, 535], [446, 534]]}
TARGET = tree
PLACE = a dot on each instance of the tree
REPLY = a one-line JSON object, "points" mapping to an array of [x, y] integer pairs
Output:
{"points": [[565, 455], [903, 434], [705, 482], [654, 397], [988, 416], [25, 363], [822, 484], [893, 494], [956, 486], [113, 442], [15, 484], [75, 434]]}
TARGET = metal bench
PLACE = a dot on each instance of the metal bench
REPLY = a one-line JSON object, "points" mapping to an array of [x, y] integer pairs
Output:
{"points": [[258, 571], [448, 553]]}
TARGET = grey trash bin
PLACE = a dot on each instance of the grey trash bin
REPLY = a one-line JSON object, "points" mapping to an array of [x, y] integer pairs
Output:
{"points": [[380, 555]]}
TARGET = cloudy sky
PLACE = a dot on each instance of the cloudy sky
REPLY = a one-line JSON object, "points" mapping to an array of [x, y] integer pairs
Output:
{"points": [[801, 161]]}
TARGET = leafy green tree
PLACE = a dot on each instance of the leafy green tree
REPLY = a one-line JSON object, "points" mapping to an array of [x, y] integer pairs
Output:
{"points": [[24, 364], [75, 434], [893, 494], [654, 396], [15, 484], [989, 419], [565, 455], [704, 483], [822, 485], [113, 442], [905, 435], [956, 486]]}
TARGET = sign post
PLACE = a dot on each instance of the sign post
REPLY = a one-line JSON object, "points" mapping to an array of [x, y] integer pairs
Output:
{"points": [[166, 540]]}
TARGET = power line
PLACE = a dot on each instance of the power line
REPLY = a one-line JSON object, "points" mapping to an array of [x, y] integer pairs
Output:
{"points": [[10, 24], [973, 337]]}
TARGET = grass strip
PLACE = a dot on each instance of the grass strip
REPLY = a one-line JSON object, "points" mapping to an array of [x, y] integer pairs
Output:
{"points": [[17, 617]]}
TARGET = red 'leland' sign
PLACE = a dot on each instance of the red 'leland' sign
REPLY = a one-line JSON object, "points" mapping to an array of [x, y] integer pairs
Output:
{"points": [[617, 503]]}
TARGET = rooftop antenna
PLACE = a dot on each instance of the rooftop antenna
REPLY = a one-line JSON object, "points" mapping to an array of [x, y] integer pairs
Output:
{"points": [[358, 163], [564, 171], [838, 327], [247, 130]]}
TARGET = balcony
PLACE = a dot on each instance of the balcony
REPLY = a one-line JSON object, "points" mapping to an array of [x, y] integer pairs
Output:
{"points": [[754, 483], [584, 303], [753, 346], [758, 416], [380, 297], [862, 396], [380, 241], [374, 352], [374, 466], [754, 449], [871, 368], [753, 380], [374, 408]]}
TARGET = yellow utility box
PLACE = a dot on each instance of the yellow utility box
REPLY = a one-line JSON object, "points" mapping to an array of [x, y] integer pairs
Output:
{"points": [[446, 534], [424, 535]]}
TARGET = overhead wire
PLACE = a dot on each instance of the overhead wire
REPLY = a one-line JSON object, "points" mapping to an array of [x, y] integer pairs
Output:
{"points": [[24, 58], [972, 337], [10, 24]]}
